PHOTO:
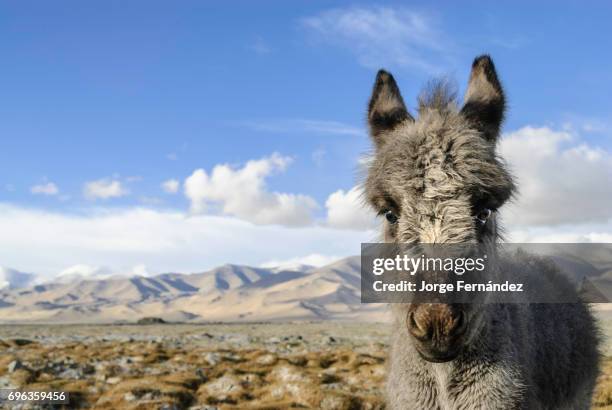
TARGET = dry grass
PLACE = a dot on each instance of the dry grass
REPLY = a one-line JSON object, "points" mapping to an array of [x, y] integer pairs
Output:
{"points": [[602, 399], [144, 375], [304, 369]]}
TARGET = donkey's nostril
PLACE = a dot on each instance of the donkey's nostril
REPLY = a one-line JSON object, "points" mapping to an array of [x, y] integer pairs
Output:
{"points": [[460, 324], [441, 322], [418, 330], [411, 321]]}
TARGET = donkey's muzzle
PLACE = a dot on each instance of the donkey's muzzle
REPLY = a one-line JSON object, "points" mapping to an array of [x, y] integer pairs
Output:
{"points": [[437, 329]]}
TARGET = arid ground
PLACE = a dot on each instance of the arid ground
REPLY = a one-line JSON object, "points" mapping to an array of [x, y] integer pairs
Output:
{"points": [[323, 365]]}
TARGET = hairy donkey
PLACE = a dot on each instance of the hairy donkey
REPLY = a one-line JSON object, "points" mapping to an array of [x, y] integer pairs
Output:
{"points": [[436, 178]]}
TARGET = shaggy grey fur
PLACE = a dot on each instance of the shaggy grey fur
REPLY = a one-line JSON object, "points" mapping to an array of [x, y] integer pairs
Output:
{"points": [[430, 176]]}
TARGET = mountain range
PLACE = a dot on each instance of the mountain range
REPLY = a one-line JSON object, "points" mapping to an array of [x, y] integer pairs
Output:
{"points": [[226, 293], [238, 293]]}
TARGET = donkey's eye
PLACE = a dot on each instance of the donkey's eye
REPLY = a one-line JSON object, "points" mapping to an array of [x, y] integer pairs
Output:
{"points": [[483, 215], [391, 217]]}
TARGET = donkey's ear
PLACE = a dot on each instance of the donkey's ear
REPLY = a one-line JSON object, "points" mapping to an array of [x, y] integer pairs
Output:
{"points": [[386, 109], [484, 99]]}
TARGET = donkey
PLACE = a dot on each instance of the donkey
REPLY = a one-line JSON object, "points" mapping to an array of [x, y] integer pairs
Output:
{"points": [[437, 179]]}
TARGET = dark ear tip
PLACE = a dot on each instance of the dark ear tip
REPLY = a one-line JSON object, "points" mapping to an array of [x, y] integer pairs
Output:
{"points": [[483, 61], [383, 76]]}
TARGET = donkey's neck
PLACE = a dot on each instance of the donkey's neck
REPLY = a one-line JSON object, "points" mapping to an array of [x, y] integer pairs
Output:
{"points": [[441, 373]]}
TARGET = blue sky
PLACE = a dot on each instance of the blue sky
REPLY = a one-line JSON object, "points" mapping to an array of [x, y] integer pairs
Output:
{"points": [[138, 93]]}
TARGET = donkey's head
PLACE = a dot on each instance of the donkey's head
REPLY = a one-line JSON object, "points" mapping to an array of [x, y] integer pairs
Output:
{"points": [[436, 179]]}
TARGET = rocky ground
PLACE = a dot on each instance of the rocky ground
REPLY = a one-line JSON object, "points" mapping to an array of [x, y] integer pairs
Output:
{"points": [[262, 366], [254, 366]]}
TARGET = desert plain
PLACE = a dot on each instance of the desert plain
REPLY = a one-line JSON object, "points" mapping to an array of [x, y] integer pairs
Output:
{"points": [[319, 365]]}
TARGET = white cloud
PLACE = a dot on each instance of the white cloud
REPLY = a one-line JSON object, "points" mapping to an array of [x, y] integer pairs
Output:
{"points": [[171, 186], [319, 127], [139, 270], [133, 178], [382, 36], [88, 272], [13, 279], [141, 240], [242, 192], [595, 232], [318, 156], [150, 200], [561, 179], [259, 46], [348, 210], [81, 272], [48, 188], [104, 189], [314, 259], [82, 269], [163, 241]]}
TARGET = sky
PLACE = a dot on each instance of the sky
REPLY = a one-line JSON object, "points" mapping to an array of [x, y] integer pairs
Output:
{"points": [[151, 136]]}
